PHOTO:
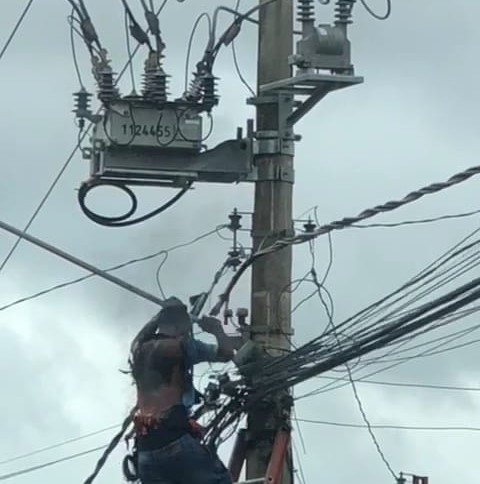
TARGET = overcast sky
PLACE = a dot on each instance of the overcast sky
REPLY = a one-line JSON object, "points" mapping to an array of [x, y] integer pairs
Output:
{"points": [[412, 122]]}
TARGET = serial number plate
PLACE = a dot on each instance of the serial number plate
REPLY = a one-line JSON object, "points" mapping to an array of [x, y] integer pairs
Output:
{"points": [[145, 127], [157, 131]]}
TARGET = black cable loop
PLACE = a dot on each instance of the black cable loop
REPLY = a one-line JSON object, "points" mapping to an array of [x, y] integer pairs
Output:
{"points": [[121, 221]]}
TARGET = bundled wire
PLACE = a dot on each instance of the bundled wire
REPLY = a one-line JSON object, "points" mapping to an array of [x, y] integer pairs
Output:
{"points": [[444, 292]]}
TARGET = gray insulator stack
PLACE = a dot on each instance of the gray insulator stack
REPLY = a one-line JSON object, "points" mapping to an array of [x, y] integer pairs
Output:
{"points": [[305, 11], [343, 12], [209, 90], [155, 84], [106, 84], [195, 90], [82, 100]]}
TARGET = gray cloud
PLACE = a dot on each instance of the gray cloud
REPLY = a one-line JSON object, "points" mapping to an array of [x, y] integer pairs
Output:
{"points": [[411, 123]]}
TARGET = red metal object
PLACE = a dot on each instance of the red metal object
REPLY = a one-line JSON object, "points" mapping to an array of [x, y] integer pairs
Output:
{"points": [[238, 455], [277, 459]]}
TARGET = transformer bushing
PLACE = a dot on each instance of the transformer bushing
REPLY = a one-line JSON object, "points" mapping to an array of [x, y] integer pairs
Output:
{"points": [[209, 91], [305, 11], [107, 90], [155, 85]]}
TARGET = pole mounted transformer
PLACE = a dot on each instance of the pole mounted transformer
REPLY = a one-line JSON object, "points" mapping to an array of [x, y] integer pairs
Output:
{"points": [[150, 139]]}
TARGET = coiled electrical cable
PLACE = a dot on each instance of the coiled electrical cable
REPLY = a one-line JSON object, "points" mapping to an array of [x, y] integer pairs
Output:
{"points": [[122, 220]]}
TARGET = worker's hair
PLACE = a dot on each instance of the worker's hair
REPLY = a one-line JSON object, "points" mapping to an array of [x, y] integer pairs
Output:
{"points": [[171, 321], [173, 317]]}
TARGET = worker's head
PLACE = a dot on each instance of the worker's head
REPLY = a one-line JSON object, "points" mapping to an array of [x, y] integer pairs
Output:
{"points": [[174, 319]]}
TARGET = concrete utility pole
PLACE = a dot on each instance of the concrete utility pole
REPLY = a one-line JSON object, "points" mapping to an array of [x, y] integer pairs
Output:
{"points": [[272, 219]]}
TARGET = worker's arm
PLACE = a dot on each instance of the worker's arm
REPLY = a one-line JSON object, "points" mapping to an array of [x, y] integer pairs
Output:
{"points": [[223, 351]]}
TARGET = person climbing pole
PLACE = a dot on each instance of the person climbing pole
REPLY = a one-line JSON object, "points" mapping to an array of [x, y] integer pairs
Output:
{"points": [[168, 442]]}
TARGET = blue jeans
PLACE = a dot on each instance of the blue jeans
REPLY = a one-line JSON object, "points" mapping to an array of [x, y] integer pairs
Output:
{"points": [[183, 461]]}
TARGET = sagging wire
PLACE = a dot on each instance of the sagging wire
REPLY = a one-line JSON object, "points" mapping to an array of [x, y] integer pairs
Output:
{"points": [[58, 444], [28, 470], [202, 16], [356, 394]]}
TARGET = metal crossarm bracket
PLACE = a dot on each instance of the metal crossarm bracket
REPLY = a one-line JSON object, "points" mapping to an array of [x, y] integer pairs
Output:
{"points": [[137, 142], [313, 87], [321, 64], [228, 162]]}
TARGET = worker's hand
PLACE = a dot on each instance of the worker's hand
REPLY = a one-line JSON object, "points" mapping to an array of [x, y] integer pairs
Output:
{"points": [[210, 325]]}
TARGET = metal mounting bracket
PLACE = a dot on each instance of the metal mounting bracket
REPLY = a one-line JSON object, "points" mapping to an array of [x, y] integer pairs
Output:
{"points": [[228, 162], [282, 140], [310, 85]]}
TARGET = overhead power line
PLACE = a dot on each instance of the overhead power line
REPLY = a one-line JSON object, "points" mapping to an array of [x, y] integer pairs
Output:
{"points": [[383, 329], [42, 202], [15, 28], [404, 223], [59, 444], [426, 386], [110, 269], [344, 223], [28, 470], [390, 427]]}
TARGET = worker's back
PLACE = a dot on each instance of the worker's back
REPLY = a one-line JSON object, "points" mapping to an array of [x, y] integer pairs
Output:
{"points": [[158, 371]]}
